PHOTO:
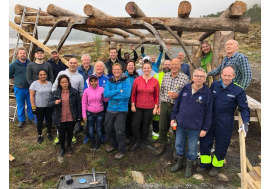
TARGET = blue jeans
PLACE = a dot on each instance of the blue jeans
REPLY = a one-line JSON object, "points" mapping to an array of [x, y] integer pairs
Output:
{"points": [[180, 142], [95, 119], [23, 95]]}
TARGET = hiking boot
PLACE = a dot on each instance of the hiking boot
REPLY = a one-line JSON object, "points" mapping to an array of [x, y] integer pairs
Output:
{"points": [[40, 139], [103, 139], [214, 171], [92, 146], [178, 165], [74, 140], [174, 156], [56, 140], [118, 156], [21, 124], [143, 145], [49, 136], [69, 150], [200, 169], [31, 121], [157, 144], [127, 141], [62, 152], [97, 147], [86, 139], [188, 171], [160, 150], [136, 145], [110, 149]]}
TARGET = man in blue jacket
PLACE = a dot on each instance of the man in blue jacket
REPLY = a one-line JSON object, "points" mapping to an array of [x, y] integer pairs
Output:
{"points": [[118, 91], [227, 96], [192, 112], [17, 71], [85, 69]]}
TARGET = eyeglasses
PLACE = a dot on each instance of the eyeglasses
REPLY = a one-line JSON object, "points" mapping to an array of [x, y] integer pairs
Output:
{"points": [[199, 76]]}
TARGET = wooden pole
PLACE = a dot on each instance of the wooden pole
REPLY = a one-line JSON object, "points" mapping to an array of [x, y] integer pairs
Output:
{"points": [[134, 10], [38, 43], [210, 78], [243, 160], [184, 10], [18, 9], [187, 24], [92, 11]]}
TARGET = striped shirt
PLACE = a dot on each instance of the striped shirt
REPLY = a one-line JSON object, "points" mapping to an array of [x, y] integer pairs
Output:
{"points": [[174, 84], [242, 69]]}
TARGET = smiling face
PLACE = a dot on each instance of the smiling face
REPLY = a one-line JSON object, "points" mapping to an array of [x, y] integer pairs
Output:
{"points": [[205, 48], [113, 54], [175, 66], [231, 47], [227, 75], [199, 77], [116, 70], [55, 56], [147, 68], [93, 82], [181, 56], [86, 61], [73, 64], [130, 67], [153, 58], [64, 83], [39, 55], [42, 75], [126, 56], [21, 55], [99, 68]]}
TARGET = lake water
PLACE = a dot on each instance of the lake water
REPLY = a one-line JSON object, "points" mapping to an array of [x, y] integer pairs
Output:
{"points": [[12, 42]]}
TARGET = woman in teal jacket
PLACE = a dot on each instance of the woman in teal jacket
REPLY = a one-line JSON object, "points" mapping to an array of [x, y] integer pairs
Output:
{"points": [[205, 53]]}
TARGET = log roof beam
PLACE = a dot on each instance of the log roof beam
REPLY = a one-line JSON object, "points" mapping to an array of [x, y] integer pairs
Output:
{"points": [[134, 10], [18, 9], [184, 10]]}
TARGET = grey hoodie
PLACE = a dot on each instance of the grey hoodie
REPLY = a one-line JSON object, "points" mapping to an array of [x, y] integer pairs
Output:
{"points": [[76, 81]]}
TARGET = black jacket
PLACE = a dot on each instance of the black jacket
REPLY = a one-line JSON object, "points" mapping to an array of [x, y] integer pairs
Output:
{"points": [[56, 68], [109, 64], [74, 102], [124, 60]]}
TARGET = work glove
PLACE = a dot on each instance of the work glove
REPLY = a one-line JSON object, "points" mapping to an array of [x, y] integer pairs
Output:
{"points": [[34, 110], [244, 127], [142, 49], [160, 49]]}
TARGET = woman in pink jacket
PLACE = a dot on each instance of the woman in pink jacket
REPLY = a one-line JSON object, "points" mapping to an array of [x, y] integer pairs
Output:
{"points": [[93, 110]]}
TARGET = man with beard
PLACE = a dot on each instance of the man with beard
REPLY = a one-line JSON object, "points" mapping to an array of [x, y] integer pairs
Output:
{"points": [[159, 76], [56, 64], [126, 54], [39, 64]]}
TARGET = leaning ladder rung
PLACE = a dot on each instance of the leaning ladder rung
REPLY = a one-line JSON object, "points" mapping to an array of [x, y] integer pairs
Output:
{"points": [[28, 22], [30, 12], [24, 43]]}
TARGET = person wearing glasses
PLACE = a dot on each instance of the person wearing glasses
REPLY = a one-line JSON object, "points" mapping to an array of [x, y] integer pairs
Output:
{"points": [[171, 86], [238, 61], [192, 112], [205, 54]]}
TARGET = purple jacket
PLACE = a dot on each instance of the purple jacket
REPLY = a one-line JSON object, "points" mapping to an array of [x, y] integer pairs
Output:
{"points": [[92, 100]]}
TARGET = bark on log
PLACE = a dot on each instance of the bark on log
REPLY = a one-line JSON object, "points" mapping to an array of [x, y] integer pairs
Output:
{"points": [[232, 11], [187, 24], [58, 11], [184, 9], [18, 9], [116, 31], [134, 10], [135, 40], [96, 31], [219, 52], [91, 11], [194, 59]]}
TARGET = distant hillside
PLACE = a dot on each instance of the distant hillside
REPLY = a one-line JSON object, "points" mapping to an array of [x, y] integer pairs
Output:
{"points": [[254, 13]]}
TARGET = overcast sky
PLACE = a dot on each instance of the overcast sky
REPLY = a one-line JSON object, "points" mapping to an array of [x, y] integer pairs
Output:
{"points": [[152, 8]]}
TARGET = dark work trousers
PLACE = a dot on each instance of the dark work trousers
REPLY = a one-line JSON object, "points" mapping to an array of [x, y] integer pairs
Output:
{"points": [[141, 118], [63, 129], [155, 126], [114, 126], [164, 123], [47, 112], [128, 131]]}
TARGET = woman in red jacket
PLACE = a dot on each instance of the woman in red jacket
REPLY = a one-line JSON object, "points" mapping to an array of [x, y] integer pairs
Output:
{"points": [[144, 103]]}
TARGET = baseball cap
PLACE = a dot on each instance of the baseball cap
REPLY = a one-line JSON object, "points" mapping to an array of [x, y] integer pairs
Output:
{"points": [[146, 57], [54, 50], [92, 76], [39, 49]]}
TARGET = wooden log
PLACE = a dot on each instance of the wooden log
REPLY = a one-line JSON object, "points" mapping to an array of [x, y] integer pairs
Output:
{"points": [[249, 166], [136, 40], [38, 43], [134, 10], [113, 44], [184, 9], [116, 31], [187, 24], [91, 11], [219, 52], [233, 10], [243, 159], [210, 78], [58, 11], [194, 59], [18, 9], [97, 31]]}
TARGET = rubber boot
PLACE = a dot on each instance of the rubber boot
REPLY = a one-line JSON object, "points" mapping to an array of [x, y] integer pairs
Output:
{"points": [[178, 165], [188, 171]]}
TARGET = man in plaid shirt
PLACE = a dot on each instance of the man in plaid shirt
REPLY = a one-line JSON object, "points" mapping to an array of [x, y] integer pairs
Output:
{"points": [[238, 61], [171, 86]]}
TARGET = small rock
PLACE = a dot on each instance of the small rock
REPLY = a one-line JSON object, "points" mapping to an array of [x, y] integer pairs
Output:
{"points": [[138, 177], [198, 177], [223, 177], [60, 159]]}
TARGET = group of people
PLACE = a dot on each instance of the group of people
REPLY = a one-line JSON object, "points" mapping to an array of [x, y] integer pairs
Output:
{"points": [[118, 102]]}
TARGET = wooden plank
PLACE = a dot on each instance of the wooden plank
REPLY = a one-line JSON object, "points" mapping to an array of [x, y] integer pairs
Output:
{"points": [[38, 43], [259, 156], [249, 166], [253, 104], [243, 159], [258, 170], [253, 119], [257, 184], [11, 158], [258, 111], [250, 181], [255, 176]]}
